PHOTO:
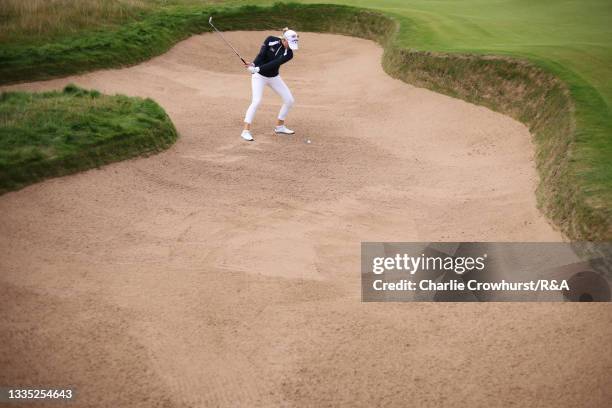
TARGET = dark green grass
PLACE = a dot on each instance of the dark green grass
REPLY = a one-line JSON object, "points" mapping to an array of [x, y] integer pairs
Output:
{"points": [[55, 133]]}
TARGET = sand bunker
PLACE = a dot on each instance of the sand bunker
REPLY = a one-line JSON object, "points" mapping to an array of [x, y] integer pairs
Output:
{"points": [[223, 273]]}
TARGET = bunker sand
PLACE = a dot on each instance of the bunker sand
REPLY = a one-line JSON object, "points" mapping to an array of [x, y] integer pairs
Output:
{"points": [[226, 273]]}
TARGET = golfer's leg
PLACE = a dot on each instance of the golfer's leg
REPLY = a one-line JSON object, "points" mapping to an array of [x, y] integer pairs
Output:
{"points": [[257, 86], [279, 86]]}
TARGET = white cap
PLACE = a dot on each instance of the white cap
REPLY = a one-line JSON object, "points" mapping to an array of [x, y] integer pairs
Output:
{"points": [[292, 38]]}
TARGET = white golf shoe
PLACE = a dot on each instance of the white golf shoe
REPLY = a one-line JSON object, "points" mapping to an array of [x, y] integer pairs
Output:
{"points": [[284, 130], [246, 135]]}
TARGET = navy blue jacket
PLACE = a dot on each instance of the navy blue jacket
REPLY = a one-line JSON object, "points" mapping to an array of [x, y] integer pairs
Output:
{"points": [[271, 56]]}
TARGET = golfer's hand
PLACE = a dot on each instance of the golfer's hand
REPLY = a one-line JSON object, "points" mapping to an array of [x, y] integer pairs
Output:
{"points": [[252, 69]]}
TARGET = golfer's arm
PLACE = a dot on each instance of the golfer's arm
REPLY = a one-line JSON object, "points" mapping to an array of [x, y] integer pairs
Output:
{"points": [[262, 52], [275, 63]]}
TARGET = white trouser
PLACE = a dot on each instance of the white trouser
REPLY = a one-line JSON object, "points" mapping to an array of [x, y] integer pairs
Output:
{"points": [[278, 85]]}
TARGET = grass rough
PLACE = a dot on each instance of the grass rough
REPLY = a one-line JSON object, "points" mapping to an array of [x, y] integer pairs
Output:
{"points": [[55, 133]]}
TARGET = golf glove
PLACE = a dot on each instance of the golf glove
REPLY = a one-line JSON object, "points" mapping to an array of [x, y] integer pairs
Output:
{"points": [[253, 70]]}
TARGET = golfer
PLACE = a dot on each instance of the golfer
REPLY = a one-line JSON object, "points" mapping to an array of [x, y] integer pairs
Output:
{"points": [[274, 52]]}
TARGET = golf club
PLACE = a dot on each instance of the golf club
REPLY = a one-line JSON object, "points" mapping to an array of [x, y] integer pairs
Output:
{"points": [[227, 42]]}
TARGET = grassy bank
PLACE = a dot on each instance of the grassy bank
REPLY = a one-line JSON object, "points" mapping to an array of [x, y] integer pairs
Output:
{"points": [[55, 133], [568, 115]]}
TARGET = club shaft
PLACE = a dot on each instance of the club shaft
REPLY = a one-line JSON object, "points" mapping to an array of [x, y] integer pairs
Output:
{"points": [[227, 42]]}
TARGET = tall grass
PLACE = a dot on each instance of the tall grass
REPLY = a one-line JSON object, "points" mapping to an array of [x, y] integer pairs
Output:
{"points": [[50, 17], [40, 19]]}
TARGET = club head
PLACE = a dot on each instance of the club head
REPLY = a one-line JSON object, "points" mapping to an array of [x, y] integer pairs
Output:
{"points": [[210, 20]]}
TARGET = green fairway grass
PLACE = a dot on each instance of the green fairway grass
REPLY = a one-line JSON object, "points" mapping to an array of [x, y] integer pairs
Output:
{"points": [[563, 92], [55, 133], [576, 34]]}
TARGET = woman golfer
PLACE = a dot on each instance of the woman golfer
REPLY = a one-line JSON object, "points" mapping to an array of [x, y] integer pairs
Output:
{"points": [[274, 52]]}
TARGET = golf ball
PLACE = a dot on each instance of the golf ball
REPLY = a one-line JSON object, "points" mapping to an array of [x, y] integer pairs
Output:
{"points": [[308, 141]]}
